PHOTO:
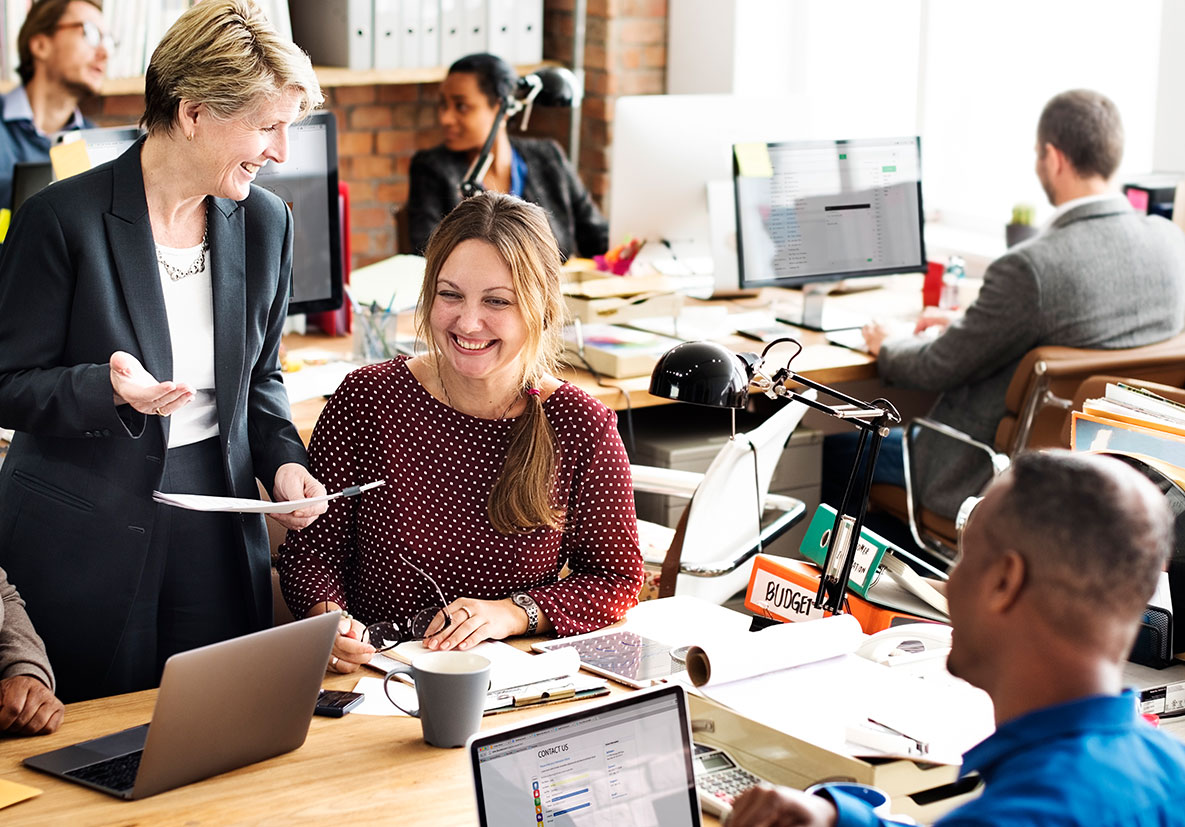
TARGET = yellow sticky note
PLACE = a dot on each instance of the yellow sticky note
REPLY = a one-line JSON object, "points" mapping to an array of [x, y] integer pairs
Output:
{"points": [[69, 159], [5, 217], [11, 792], [753, 160]]}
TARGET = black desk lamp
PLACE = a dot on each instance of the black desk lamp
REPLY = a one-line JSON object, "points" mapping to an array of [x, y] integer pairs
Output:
{"points": [[706, 373], [548, 86]]}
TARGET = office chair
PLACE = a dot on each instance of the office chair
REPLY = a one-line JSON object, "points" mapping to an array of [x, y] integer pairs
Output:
{"points": [[1039, 401], [402, 230], [710, 553]]}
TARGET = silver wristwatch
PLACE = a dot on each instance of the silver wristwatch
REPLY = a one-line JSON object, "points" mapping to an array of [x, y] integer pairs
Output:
{"points": [[527, 604]]}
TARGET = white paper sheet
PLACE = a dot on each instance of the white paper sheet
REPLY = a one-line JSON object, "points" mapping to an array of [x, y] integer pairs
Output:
{"points": [[243, 505]]}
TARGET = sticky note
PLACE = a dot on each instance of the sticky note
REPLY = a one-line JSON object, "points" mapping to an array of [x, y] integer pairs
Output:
{"points": [[69, 159], [5, 217], [11, 792], [753, 160]]}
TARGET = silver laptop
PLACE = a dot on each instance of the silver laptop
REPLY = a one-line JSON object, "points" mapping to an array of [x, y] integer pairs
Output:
{"points": [[624, 762], [219, 707]]}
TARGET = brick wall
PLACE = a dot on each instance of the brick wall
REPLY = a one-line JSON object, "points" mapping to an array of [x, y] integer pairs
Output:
{"points": [[381, 127]]}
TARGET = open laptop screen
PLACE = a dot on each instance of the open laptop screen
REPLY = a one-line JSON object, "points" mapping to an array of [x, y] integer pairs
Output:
{"points": [[627, 762]]}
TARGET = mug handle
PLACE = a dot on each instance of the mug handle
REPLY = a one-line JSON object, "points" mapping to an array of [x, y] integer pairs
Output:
{"points": [[401, 669]]}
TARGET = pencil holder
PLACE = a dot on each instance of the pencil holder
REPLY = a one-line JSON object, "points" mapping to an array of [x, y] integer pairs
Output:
{"points": [[374, 334]]}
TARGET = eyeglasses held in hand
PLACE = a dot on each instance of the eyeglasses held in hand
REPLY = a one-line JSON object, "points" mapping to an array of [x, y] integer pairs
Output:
{"points": [[91, 33], [387, 634]]}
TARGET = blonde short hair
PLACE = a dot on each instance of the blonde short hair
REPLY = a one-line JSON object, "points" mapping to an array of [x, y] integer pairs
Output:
{"points": [[227, 56]]}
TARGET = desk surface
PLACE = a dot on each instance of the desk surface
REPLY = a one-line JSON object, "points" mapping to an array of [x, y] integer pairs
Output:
{"points": [[819, 360], [356, 769]]}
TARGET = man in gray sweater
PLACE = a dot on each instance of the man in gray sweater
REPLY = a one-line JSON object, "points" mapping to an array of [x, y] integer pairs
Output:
{"points": [[27, 703], [1099, 276]]}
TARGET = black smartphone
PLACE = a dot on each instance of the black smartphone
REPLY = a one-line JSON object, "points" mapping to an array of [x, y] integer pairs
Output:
{"points": [[334, 703]]}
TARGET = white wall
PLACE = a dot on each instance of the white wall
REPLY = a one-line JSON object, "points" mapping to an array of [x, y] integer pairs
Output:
{"points": [[969, 77]]}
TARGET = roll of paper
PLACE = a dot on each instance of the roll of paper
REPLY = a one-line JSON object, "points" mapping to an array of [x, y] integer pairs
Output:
{"points": [[773, 649]]}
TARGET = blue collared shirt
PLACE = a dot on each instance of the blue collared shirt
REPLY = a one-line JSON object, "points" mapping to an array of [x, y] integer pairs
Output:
{"points": [[1091, 762], [20, 140]]}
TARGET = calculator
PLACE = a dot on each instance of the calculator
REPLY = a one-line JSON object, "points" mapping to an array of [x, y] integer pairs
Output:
{"points": [[719, 779]]}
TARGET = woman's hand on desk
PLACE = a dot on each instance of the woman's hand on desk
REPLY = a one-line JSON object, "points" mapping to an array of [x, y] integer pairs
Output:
{"points": [[349, 652], [478, 620], [294, 482], [132, 385]]}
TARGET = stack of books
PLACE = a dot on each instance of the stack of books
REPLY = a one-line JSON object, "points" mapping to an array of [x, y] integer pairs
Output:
{"points": [[1135, 421]]}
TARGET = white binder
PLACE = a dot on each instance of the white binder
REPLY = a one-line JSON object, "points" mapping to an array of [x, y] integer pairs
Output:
{"points": [[336, 32], [475, 37], [501, 29], [389, 42], [429, 32], [452, 27], [528, 37]]}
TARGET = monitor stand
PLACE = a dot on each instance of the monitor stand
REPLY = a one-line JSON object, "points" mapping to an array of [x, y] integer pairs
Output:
{"points": [[814, 317]]}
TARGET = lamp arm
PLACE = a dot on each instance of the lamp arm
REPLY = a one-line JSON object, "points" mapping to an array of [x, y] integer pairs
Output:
{"points": [[471, 184]]}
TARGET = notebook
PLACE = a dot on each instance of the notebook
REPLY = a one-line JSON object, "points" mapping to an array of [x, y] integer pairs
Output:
{"points": [[219, 707], [624, 762]]}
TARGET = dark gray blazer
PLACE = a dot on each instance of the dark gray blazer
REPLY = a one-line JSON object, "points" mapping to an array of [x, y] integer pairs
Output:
{"points": [[1102, 276], [79, 280], [435, 188]]}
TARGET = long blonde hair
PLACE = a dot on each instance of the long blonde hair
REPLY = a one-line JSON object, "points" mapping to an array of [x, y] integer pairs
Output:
{"points": [[521, 499]]}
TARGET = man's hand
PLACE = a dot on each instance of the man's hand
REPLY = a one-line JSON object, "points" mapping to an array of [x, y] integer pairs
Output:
{"points": [[765, 806], [27, 707], [132, 385], [935, 317], [875, 334], [294, 482]]}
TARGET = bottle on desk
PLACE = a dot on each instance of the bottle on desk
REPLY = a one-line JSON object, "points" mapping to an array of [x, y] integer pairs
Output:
{"points": [[955, 270]]}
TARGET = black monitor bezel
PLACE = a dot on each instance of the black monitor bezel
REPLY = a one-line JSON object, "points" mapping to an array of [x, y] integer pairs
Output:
{"points": [[815, 278], [336, 269]]}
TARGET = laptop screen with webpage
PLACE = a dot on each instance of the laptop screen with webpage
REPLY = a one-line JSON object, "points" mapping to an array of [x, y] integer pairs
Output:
{"points": [[626, 762]]}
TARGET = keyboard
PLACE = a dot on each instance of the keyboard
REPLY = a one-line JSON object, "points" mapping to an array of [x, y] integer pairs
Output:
{"points": [[117, 773]]}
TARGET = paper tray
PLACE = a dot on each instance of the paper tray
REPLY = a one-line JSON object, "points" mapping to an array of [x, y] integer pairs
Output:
{"points": [[916, 789]]}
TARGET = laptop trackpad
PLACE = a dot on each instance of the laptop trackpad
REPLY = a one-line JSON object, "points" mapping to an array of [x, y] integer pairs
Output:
{"points": [[90, 752]]}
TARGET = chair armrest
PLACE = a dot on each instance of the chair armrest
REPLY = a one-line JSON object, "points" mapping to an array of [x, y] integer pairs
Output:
{"points": [[668, 481], [1000, 462]]}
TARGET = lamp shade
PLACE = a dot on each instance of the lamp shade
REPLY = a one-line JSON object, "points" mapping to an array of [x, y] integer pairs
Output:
{"points": [[704, 373], [559, 86]]}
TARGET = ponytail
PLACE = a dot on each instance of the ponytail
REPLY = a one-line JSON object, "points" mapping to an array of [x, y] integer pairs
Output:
{"points": [[520, 500]]}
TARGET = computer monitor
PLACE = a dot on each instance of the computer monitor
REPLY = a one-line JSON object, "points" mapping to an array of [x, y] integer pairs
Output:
{"points": [[811, 212], [307, 182], [669, 150]]}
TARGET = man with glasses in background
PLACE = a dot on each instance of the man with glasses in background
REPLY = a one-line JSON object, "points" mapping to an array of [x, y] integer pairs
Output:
{"points": [[63, 47], [1056, 566]]}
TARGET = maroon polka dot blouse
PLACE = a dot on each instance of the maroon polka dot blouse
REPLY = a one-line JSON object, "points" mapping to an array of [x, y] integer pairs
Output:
{"points": [[439, 465]]}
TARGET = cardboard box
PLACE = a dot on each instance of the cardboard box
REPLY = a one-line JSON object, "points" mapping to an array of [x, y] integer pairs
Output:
{"points": [[618, 309]]}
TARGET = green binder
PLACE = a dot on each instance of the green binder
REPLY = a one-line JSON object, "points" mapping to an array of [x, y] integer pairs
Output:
{"points": [[869, 550]]}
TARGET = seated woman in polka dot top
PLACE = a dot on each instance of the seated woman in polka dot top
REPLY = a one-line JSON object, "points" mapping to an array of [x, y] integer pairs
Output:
{"points": [[497, 473]]}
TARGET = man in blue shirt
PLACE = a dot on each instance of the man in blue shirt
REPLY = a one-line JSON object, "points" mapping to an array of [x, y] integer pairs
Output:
{"points": [[63, 50], [1057, 564]]}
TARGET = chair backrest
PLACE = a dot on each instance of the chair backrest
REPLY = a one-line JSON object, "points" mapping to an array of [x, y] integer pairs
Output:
{"points": [[723, 516], [1039, 399], [402, 230]]}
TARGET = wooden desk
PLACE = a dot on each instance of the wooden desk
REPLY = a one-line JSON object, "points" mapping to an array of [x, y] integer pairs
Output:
{"points": [[819, 360], [351, 770]]}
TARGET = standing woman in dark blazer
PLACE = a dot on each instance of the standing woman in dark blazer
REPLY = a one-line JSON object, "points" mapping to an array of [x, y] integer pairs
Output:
{"points": [[141, 308], [534, 169]]}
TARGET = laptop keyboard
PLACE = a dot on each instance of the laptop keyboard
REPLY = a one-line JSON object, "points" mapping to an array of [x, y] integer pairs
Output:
{"points": [[117, 773]]}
